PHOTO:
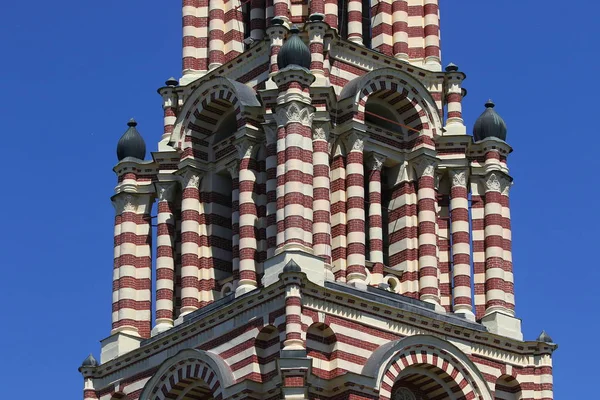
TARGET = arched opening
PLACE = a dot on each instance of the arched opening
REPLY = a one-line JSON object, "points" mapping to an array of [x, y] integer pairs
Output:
{"points": [[226, 127], [191, 389], [507, 388], [267, 346], [379, 114], [321, 346], [219, 213], [424, 382]]}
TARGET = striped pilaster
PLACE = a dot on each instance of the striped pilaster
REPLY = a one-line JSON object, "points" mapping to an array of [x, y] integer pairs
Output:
{"points": [[443, 243], [338, 213], [316, 34], [509, 282], [374, 168], [382, 26], [321, 197], [477, 223], [206, 250], [331, 13], [293, 314], [402, 230], [190, 228], [257, 19], [282, 8], [195, 32], [132, 278], [432, 33], [494, 252], [248, 216], [276, 35], [170, 100], [355, 25], [461, 244], [177, 257], [400, 29], [271, 187], [454, 102], [165, 257], [426, 206], [216, 35], [234, 29], [355, 228], [261, 208], [234, 171]]}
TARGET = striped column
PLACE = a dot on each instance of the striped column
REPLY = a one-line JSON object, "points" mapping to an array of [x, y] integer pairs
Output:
{"points": [[206, 259], [338, 213], [478, 232], [234, 26], [234, 171], [316, 7], [454, 102], [432, 33], [276, 35], [165, 257], [132, 278], [400, 29], [403, 238], [494, 253], [169, 113], [321, 196], [331, 13], [195, 32], [355, 21], [443, 243], [257, 19], [190, 227], [271, 187], [261, 208], [509, 282], [316, 33], [247, 219], [216, 36], [374, 167], [461, 244], [293, 314], [426, 206], [177, 256], [382, 26], [355, 180], [282, 9]]}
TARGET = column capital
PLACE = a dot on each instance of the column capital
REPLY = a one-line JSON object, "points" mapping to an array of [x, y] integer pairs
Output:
{"points": [[459, 177], [191, 179], [496, 182], [321, 130], [425, 166], [375, 161], [166, 190], [294, 112], [356, 141], [244, 147], [135, 203], [234, 169]]}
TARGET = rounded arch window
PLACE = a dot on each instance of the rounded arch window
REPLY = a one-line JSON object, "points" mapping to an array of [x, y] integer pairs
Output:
{"points": [[403, 393]]}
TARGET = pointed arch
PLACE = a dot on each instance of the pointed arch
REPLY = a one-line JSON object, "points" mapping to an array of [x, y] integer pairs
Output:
{"points": [[189, 370], [429, 360]]}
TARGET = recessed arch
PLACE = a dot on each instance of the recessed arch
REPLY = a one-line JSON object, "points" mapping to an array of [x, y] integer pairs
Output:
{"points": [[507, 388]]}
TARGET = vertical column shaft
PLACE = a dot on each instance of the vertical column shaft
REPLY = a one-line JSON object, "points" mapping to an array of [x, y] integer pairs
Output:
{"points": [[316, 33], [461, 244], [356, 212], [195, 24], [331, 13], [282, 8], [426, 205], [271, 187], [248, 219], [478, 232], [443, 244], [276, 34], [400, 29], [321, 196], [293, 315], [509, 285], [190, 238], [257, 19], [165, 257], [382, 26], [432, 32], [355, 16], [216, 35], [235, 222], [374, 167], [338, 214]]}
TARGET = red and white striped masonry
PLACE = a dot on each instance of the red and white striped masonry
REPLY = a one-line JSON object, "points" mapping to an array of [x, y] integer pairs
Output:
{"points": [[400, 29], [293, 313], [374, 167], [426, 205], [382, 21], [271, 187], [132, 283], [443, 244], [257, 19], [316, 35], [234, 171], [355, 191], [216, 34], [276, 35], [321, 193], [355, 16], [248, 217], [509, 285], [478, 241], [338, 212], [190, 239], [461, 243], [165, 255], [494, 252]]}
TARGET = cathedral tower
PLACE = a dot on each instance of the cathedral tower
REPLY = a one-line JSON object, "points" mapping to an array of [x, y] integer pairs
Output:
{"points": [[325, 226]]}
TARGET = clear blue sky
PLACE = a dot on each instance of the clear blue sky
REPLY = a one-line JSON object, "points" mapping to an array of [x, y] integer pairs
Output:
{"points": [[73, 73]]}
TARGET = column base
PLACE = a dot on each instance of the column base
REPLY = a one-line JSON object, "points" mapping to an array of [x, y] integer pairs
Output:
{"points": [[160, 328], [243, 289], [118, 344], [503, 325], [468, 314], [438, 307], [455, 129]]}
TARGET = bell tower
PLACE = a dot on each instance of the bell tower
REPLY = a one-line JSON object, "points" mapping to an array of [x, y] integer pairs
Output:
{"points": [[326, 225]]}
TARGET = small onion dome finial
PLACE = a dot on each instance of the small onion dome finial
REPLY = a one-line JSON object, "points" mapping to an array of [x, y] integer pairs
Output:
{"points": [[172, 82], [89, 362], [294, 51], [545, 338], [489, 124], [451, 67], [131, 143]]}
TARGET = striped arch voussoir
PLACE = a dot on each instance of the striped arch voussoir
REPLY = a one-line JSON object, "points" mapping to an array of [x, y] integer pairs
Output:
{"points": [[182, 374], [208, 107], [461, 383]]}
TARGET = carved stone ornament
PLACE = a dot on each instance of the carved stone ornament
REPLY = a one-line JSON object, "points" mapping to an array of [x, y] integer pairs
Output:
{"points": [[425, 167], [321, 132], [356, 142], [166, 190], [375, 162], [191, 180], [244, 149], [459, 178], [125, 203], [493, 183], [507, 184], [294, 112]]}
